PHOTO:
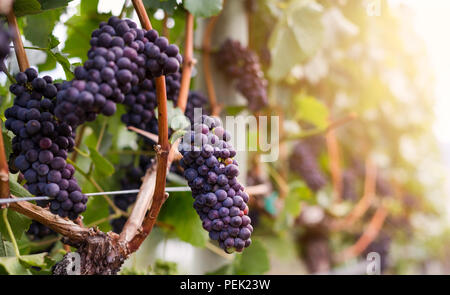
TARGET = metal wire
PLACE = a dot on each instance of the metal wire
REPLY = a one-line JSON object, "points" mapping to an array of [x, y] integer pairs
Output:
{"points": [[123, 192]]}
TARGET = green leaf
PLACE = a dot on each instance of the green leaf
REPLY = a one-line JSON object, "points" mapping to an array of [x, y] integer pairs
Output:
{"points": [[297, 36], [16, 189], [40, 26], [6, 248], [34, 260], [285, 52], [177, 134], [25, 7], [175, 117], [52, 4], [97, 208], [88, 7], [7, 139], [179, 213], [102, 165], [63, 60], [311, 110], [19, 225], [166, 5], [80, 27], [226, 269], [12, 266], [203, 8], [253, 261], [53, 41], [304, 18]]}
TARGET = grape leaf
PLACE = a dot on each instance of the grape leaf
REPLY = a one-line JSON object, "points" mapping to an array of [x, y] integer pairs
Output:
{"points": [[39, 26], [34, 260], [203, 8], [102, 165], [311, 110], [304, 18], [25, 7], [282, 44], [253, 261], [18, 222], [16, 189], [52, 4], [178, 212], [6, 248], [6, 141], [12, 266], [167, 5], [297, 35]]}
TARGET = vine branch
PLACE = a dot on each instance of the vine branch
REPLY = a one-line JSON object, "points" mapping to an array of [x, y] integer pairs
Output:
{"points": [[22, 59]]}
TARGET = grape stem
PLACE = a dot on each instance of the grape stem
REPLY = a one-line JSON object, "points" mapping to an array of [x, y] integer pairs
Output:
{"points": [[10, 233], [319, 131], [5, 70], [78, 140], [152, 194], [370, 234], [188, 62], [75, 233], [17, 40], [366, 200]]}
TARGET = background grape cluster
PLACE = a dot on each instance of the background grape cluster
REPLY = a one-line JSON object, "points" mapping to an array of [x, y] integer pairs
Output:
{"points": [[211, 173], [242, 64], [304, 163], [5, 40], [41, 144]]}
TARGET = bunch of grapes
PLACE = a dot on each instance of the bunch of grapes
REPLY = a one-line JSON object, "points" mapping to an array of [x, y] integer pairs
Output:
{"points": [[242, 64], [41, 144], [211, 173], [122, 57], [196, 99], [303, 162], [5, 39], [140, 102], [38, 231]]}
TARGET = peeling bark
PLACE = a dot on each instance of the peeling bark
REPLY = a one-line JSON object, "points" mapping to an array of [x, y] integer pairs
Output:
{"points": [[100, 254]]}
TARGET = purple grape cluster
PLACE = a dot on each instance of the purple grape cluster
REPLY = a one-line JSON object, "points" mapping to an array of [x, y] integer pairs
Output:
{"points": [[122, 60], [303, 162], [196, 99], [38, 231], [242, 64], [41, 144], [140, 102], [211, 173], [5, 40]]}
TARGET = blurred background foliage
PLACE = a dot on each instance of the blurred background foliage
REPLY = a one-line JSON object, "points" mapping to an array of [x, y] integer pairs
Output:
{"points": [[326, 62]]}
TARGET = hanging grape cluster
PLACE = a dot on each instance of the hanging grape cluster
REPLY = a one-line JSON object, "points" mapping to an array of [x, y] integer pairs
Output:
{"points": [[123, 60], [41, 144], [303, 162], [211, 173], [242, 64], [5, 40]]}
